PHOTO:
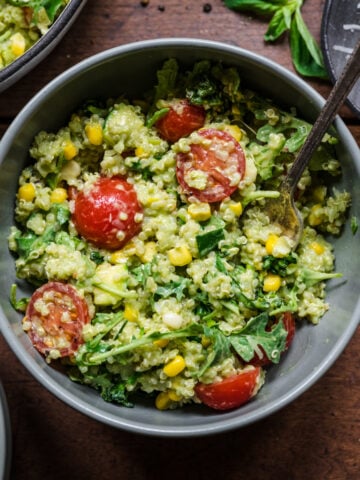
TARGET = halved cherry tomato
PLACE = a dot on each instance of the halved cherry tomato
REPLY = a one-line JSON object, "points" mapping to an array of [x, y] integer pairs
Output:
{"points": [[55, 317], [219, 162], [108, 214], [232, 392], [181, 120], [289, 324]]}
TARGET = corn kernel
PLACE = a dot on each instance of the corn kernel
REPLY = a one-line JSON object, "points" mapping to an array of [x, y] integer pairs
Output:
{"points": [[316, 215], [234, 131], [161, 343], [94, 133], [140, 152], [272, 283], [130, 313], [58, 195], [270, 243], [235, 110], [175, 366], [180, 256], [317, 247], [27, 192], [162, 401], [149, 252], [236, 208], [199, 211], [173, 396], [18, 44], [70, 150]]}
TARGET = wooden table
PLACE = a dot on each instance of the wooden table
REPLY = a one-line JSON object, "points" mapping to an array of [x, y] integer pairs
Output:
{"points": [[316, 437]]}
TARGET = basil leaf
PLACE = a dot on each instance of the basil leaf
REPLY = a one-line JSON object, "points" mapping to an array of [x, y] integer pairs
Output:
{"points": [[280, 22], [257, 6], [305, 52]]}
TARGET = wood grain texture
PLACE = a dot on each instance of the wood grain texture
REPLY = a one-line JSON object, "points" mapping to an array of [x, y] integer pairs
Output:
{"points": [[316, 437]]}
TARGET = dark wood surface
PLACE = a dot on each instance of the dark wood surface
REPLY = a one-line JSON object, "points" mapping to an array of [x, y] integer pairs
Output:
{"points": [[316, 437]]}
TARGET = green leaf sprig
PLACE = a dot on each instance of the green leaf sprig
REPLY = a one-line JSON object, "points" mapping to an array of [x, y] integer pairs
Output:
{"points": [[286, 16]]}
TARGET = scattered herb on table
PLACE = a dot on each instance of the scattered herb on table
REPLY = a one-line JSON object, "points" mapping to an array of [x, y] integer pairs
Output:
{"points": [[286, 16]]}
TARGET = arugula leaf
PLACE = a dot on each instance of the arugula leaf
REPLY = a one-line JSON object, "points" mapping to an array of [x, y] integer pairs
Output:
{"points": [[219, 351], [254, 335], [173, 288], [166, 78]]}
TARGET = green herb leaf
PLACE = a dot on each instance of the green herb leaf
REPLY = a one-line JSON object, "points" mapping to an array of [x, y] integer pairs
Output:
{"points": [[206, 242], [173, 289], [19, 305], [254, 335], [278, 266], [354, 224], [306, 54]]}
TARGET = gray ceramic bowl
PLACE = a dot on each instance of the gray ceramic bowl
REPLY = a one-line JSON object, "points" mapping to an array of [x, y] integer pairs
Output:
{"points": [[32, 57], [130, 69]]}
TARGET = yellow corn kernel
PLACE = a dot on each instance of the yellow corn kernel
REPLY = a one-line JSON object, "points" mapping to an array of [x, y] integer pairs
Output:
{"points": [[27, 192], [317, 247], [270, 243], [94, 133], [173, 396], [58, 195], [234, 131], [161, 343], [149, 252], [236, 208], [272, 283], [162, 401], [316, 215], [121, 256], [199, 211], [175, 366], [130, 313], [235, 110], [18, 44], [70, 150], [140, 152], [180, 256]]}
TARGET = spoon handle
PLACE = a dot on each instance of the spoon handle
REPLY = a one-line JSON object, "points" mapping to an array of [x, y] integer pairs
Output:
{"points": [[336, 98]]}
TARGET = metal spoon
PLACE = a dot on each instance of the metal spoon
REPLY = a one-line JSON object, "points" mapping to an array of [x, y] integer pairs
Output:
{"points": [[282, 210]]}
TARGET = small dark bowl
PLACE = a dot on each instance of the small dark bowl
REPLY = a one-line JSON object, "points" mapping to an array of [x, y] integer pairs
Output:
{"points": [[26, 62]]}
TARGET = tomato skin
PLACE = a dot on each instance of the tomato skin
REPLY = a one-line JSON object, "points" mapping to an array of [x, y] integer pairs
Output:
{"points": [[232, 392], [289, 324], [218, 170], [58, 301], [97, 214], [181, 120]]}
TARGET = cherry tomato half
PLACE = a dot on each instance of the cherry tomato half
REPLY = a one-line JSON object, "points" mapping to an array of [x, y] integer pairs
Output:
{"points": [[232, 392], [107, 214], [181, 120], [55, 317], [289, 324], [219, 162]]}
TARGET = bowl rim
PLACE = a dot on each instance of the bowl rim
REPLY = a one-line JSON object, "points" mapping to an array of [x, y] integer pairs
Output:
{"points": [[92, 411], [46, 43]]}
